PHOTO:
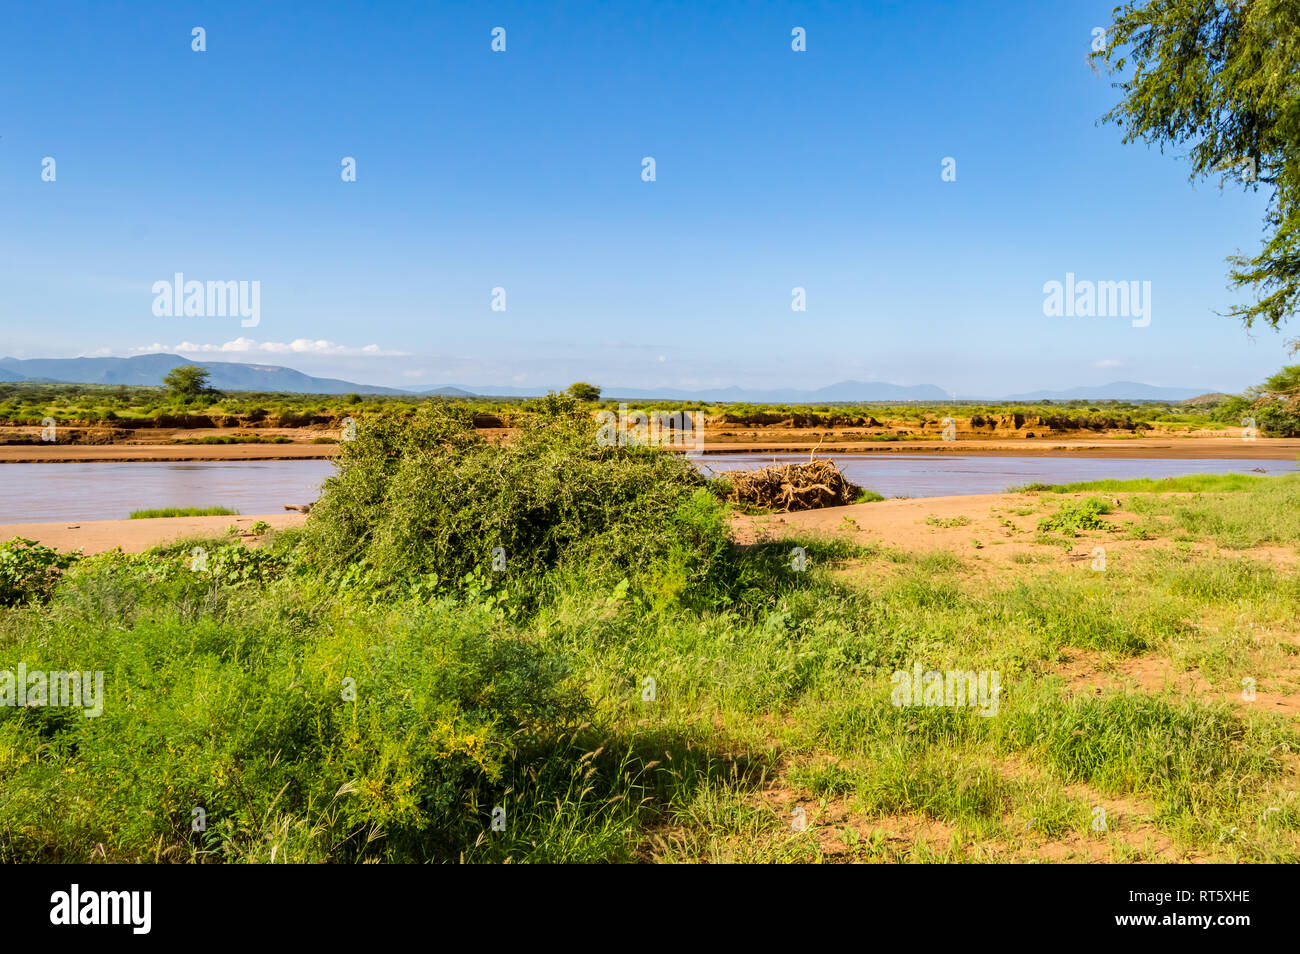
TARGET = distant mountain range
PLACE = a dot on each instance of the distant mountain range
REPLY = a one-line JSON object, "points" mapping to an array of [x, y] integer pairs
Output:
{"points": [[149, 369], [844, 391], [1115, 391]]}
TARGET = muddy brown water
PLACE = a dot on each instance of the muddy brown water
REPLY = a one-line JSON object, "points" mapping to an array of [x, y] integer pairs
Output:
{"points": [[37, 493]]}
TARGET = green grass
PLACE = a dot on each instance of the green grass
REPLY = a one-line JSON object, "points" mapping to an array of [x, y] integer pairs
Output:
{"points": [[635, 688], [1235, 511], [183, 512], [1189, 483], [27, 403], [235, 439]]}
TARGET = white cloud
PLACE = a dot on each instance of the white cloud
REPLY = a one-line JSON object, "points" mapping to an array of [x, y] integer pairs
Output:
{"points": [[251, 346], [1108, 363]]}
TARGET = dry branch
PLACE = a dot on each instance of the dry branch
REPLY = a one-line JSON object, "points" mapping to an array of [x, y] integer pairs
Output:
{"points": [[818, 483]]}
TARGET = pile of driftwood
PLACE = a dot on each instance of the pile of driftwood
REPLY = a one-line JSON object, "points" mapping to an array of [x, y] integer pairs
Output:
{"points": [[818, 483]]}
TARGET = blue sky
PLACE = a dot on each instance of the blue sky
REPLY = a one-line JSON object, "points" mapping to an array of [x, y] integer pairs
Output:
{"points": [[475, 169]]}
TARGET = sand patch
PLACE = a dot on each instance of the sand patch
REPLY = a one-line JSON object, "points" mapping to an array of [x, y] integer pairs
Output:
{"points": [[136, 536], [1097, 673], [986, 532]]}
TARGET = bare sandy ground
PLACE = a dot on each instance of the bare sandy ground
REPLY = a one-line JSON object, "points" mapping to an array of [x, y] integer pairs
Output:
{"points": [[956, 522], [136, 536], [1163, 448], [986, 530]]}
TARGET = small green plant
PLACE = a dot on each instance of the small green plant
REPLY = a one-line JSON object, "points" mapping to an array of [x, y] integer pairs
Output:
{"points": [[1072, 519], [259, 527], [948, 522], [237, 565]]}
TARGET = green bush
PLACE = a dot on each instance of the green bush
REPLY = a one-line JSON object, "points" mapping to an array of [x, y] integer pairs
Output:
{"points": [[29, 571], [424, 495]]}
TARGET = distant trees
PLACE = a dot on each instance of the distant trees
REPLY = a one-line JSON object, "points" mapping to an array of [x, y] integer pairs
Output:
{"points": [[584, 391], [1277, 403], [188, 381], [1274, 405]]}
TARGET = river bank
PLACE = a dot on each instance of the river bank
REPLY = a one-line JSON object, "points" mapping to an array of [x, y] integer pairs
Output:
{"points": [[136, 536], [1162, 448], [77, 491]]}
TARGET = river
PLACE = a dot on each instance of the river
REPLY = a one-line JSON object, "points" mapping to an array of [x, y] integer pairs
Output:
{"points": [[40, 493]]}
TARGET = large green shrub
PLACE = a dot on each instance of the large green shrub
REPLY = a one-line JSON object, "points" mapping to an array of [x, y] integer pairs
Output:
{"points": [[425, 494]]}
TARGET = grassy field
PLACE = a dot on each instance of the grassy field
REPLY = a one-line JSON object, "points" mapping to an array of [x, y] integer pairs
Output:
{"points": [[550, 651]]}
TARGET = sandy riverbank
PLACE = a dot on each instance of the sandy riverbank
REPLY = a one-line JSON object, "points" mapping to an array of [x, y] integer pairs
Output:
{"points": [[990, 531], [1002, 523], [136, 536]]}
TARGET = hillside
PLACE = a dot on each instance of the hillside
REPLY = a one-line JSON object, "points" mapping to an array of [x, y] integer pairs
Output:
{"points": [[149, 370]]}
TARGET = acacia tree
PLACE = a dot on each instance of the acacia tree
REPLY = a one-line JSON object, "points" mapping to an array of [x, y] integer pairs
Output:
{"points": [[1220, 77], [584, 391], [187, 381]]}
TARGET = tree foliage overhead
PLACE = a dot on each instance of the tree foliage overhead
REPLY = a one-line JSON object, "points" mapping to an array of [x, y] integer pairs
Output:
{"points": [[1222, 77]]}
